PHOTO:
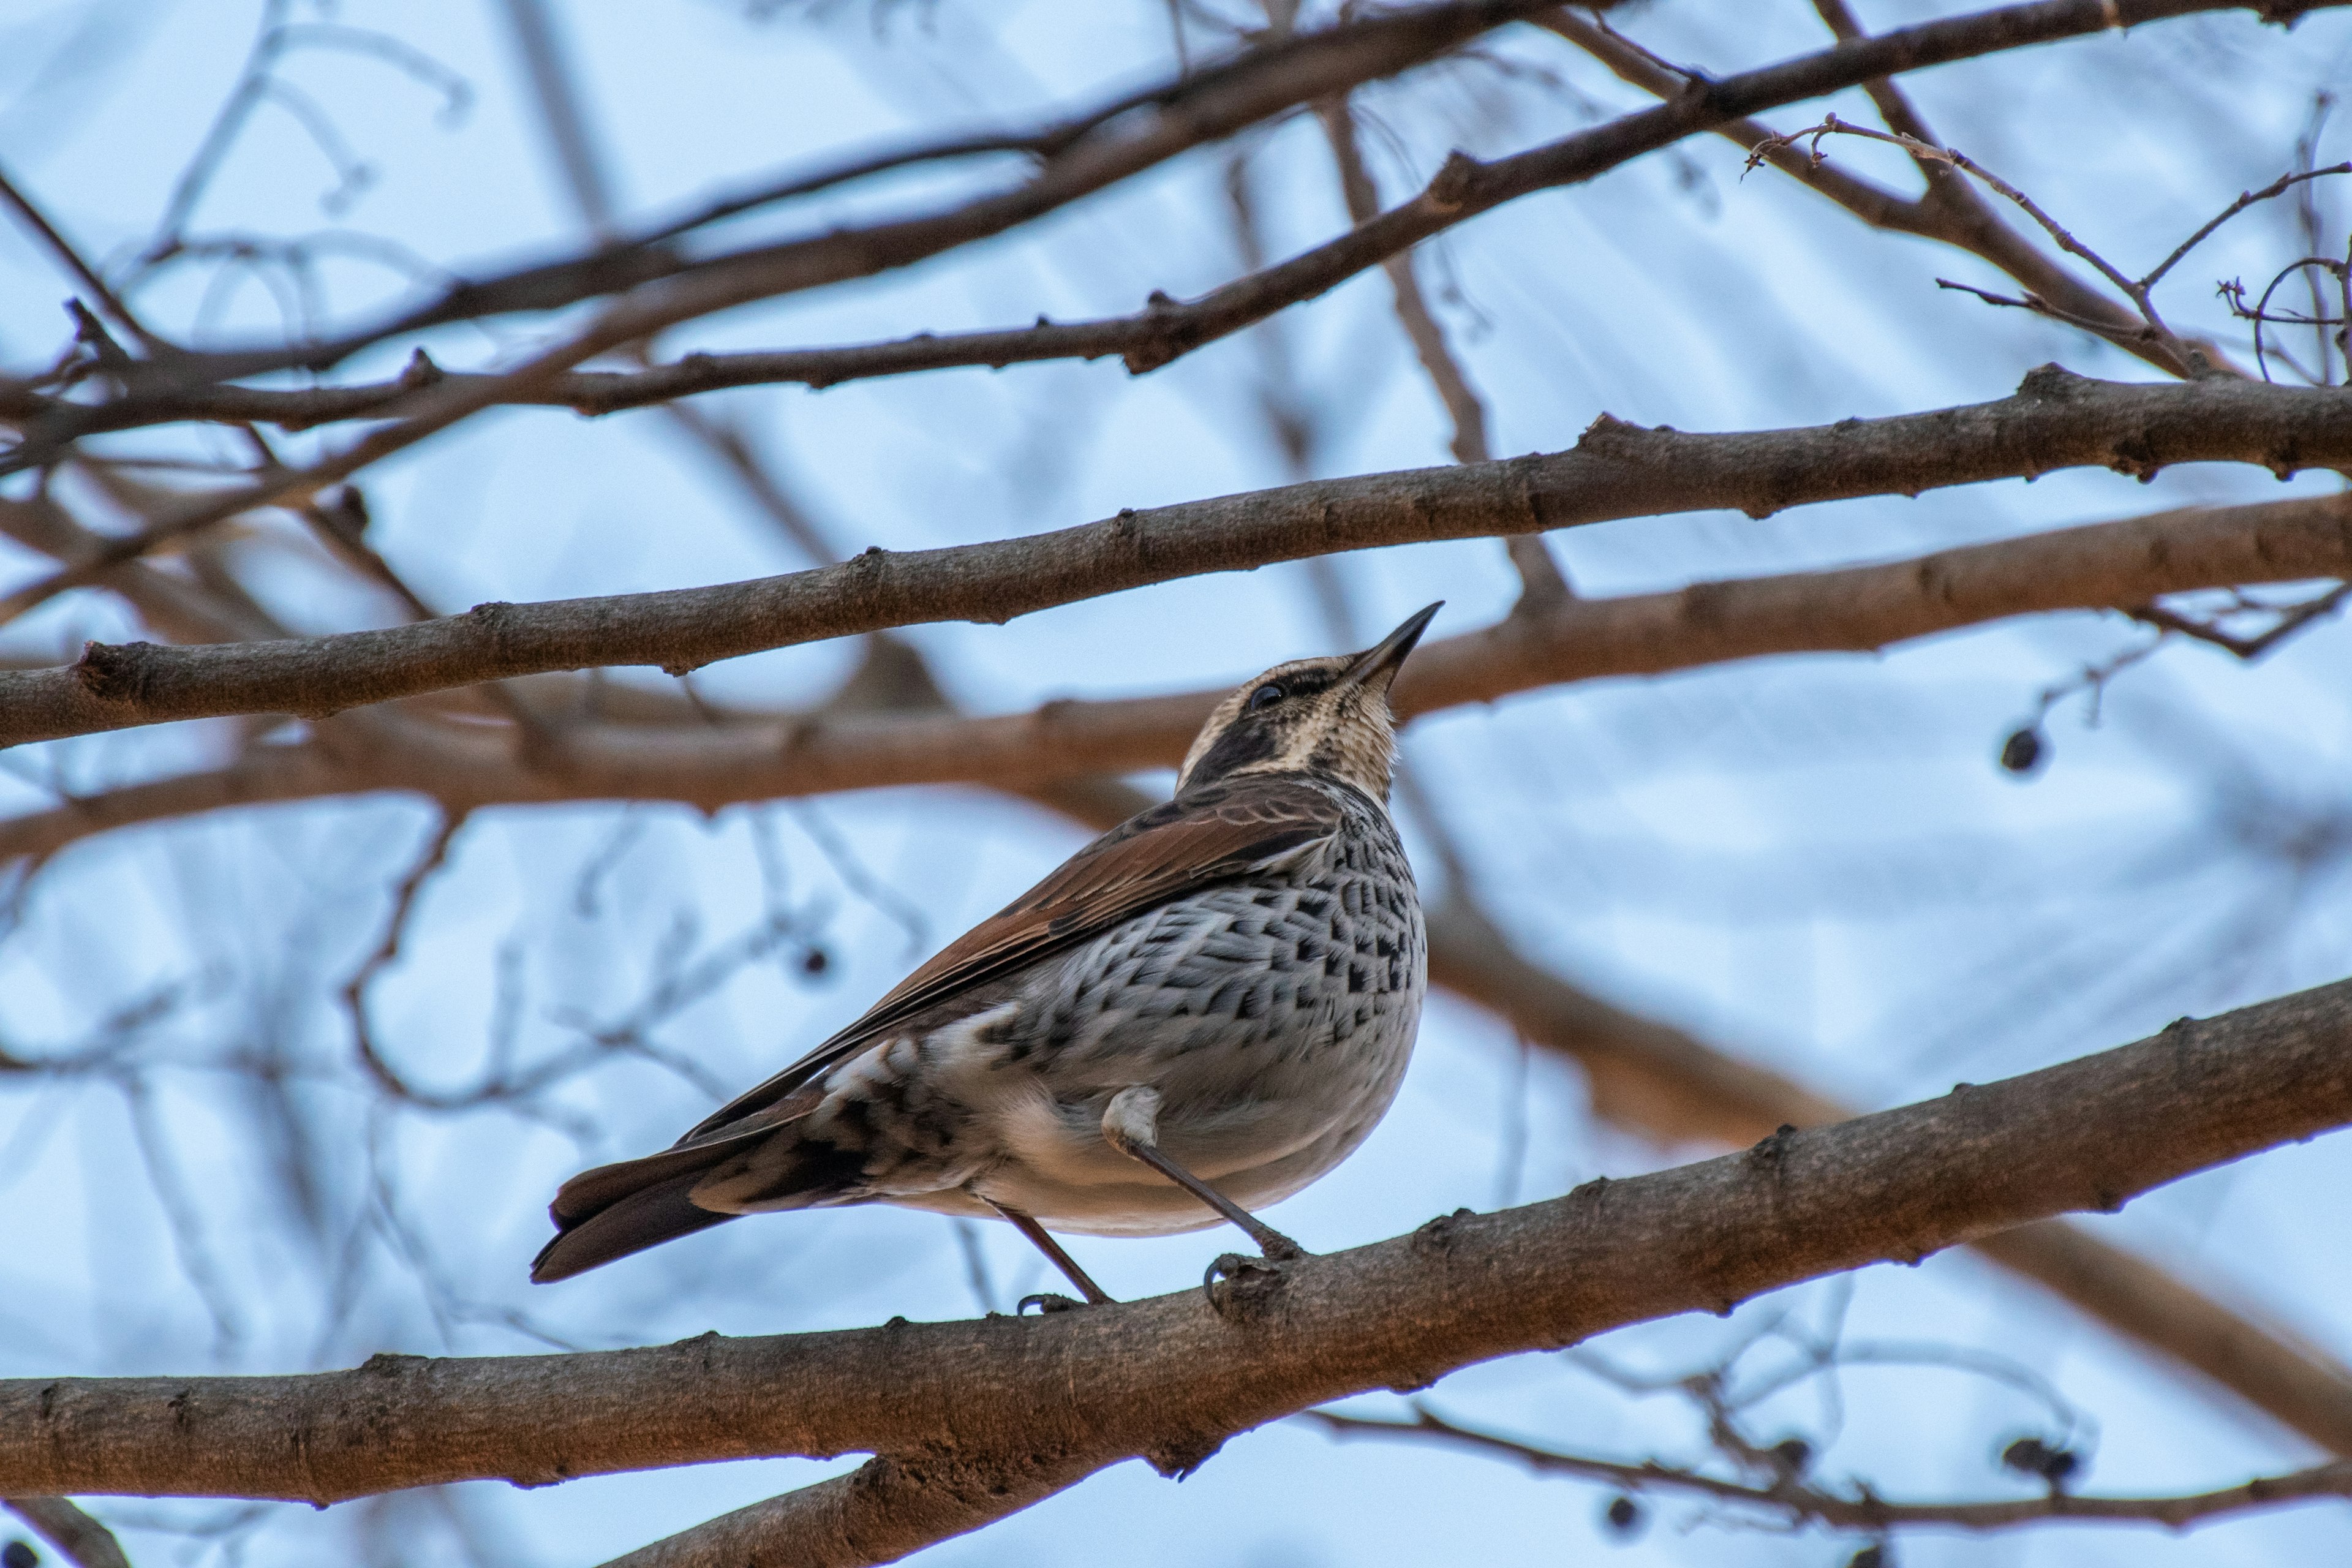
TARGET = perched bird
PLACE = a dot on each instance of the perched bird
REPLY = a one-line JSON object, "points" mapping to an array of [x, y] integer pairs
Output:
{"points": [[1199, 1013]]}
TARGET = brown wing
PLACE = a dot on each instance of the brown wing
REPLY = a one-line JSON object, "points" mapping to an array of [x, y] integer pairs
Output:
{"points": [[1213, 836]]}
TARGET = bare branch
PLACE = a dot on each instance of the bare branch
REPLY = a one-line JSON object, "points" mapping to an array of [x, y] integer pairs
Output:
{"points": [[32, 217], [79, 1538], [2287, 620], [1797, 1503], [1170, 1379], [1951, 212], [1089, 152], [2197, 357], [1216, 104], [2056, 420], [2117, 565]]}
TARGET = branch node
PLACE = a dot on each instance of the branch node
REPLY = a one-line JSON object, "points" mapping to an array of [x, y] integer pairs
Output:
{"points": [[1438, 1234], [1450, 191], [1240, 1287], [117, 672], [2052, 381], [1605, 426], [1179, 1457], [1773, 1148], [421, 372]]}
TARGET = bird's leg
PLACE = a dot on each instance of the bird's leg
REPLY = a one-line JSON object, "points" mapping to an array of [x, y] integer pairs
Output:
{"points": [[1131, 1125], [1044, 1242]]}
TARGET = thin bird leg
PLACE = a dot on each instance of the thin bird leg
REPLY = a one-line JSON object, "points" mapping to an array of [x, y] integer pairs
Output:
{"points": [[1131, 1125], [1094, 1294]]}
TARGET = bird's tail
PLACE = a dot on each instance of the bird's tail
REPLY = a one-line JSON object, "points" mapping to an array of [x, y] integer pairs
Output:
{"points": [[614, 1210]]}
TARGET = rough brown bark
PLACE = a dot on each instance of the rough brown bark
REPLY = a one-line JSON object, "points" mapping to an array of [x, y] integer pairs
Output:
{"points": [[1170, 1379], [2055, 420], [1654, 1079]]}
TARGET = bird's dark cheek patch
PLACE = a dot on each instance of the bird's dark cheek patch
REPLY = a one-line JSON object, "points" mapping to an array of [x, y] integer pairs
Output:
{"points": [[1236, 748]]}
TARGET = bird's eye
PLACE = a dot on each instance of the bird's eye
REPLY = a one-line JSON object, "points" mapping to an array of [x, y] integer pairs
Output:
{"points": [[1267, 696]]}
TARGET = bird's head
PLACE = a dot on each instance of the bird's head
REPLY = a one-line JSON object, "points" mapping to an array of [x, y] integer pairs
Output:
{"points": [[1327, 716]]}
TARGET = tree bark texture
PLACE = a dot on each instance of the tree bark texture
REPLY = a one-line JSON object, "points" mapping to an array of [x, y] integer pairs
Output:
{"points": [[988, 1402], [2056, 420]]}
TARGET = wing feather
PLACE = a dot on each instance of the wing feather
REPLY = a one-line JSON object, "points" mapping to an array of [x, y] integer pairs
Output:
{"points": [[1215, 836]]}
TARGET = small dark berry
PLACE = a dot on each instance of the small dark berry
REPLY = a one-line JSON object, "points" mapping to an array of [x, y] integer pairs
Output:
{"points": [[2023, 750], [19, 1554], [1622, 1514], [1792, 1455], [2032, 1457], [1871, 1556], [815, 960]]}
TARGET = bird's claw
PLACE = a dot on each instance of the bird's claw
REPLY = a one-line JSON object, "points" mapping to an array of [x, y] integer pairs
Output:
{"points": [[1236, 1284], [1045, 1301]]}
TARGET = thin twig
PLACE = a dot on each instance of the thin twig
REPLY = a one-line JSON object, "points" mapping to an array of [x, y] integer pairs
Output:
{"points": [[79, 1539], [2292, 618], [1862, 1510], [72, 259]]}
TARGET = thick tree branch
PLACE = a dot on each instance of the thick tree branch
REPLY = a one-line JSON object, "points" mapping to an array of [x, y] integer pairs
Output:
{"points": [[2055, 420], [981, 1404], [2119, 565]]}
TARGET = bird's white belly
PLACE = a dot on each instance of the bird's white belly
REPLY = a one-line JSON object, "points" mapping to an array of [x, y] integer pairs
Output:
{"points": [[1258, 1141]]}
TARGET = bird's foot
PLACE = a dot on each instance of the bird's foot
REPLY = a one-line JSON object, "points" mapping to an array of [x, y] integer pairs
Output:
{"points": [[1047, 1301], [1237, 1287], [1278, 1247]]}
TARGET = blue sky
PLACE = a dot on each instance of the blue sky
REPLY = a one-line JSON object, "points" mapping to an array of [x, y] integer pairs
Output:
{"points": [[1809, 861]]}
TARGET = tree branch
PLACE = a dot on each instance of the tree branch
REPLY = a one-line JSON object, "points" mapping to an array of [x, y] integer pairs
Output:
{"points": [[1951, 212], [963, 1406], [1643, 1075], [1166, 330], [79, 1539], [1798, 1503], [2055, 420], [1086, 153], [2119, 565]]}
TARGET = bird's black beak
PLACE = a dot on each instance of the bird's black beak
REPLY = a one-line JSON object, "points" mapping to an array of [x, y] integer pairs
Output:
{"points": [[1378, 664]]}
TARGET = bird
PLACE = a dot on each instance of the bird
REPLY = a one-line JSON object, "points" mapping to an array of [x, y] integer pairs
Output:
{"points": [[1196, 1016]]}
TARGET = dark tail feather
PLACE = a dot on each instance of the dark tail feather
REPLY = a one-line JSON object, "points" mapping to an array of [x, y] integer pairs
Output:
{"points": [[614, 1210], [647, 1217], [592, 1191]]}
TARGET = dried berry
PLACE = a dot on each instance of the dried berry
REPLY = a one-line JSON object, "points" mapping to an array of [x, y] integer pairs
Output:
{"points": [[2023, 750], [2032, 1457]]}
